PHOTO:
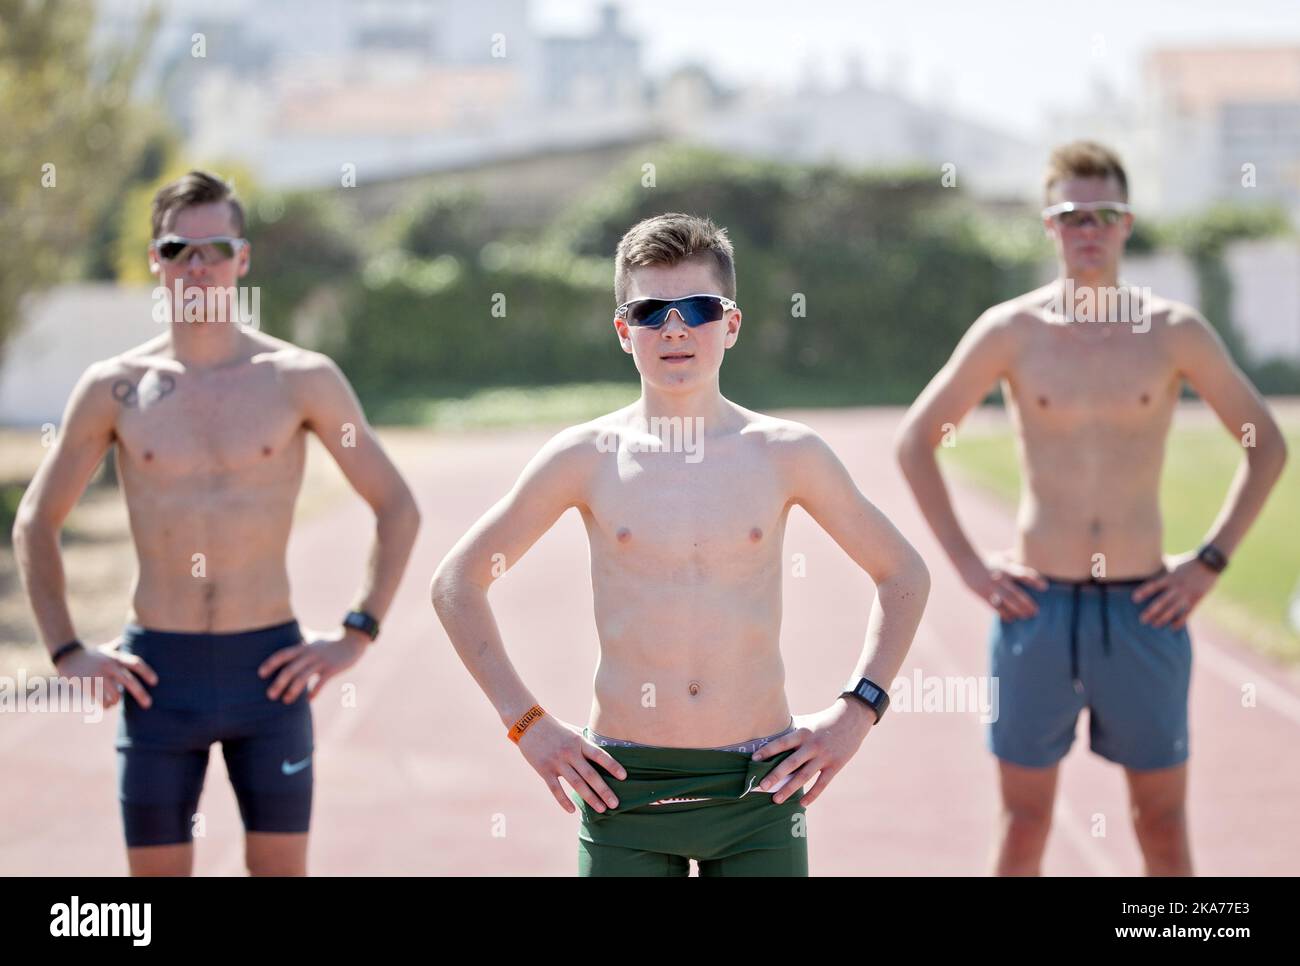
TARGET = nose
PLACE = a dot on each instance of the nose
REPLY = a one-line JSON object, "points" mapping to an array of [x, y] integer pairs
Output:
{"points": [[195, 265], [674, 326]]}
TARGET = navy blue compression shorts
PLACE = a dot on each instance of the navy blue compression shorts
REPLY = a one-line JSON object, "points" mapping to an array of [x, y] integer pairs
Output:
{"points": [[208, 690]]}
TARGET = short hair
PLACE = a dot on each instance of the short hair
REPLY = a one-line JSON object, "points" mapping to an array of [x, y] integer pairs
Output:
{"points": [[195, 188], [670, 239], [1084, 159]]}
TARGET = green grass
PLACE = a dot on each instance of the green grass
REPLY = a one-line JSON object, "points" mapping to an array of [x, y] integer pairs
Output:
{"points": [[1254, 595], [463, 407], [506, 406]]}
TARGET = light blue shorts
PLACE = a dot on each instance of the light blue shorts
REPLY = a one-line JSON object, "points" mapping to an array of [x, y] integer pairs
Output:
{"points": [[1085, 648]]}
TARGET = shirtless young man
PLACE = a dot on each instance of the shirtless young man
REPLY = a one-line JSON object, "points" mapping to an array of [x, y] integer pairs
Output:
{"points": [[1089, 612], [210, 421], [691, 750]]}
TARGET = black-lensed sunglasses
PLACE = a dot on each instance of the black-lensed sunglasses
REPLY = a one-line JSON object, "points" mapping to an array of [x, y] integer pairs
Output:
{"points": [[695, 310]]}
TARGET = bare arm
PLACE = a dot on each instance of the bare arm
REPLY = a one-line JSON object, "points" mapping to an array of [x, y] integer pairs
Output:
{"points": [[981, 359], [331, 410], [824, 742], [552, 482], [1204, 362], [83, 438], [826, 490]]}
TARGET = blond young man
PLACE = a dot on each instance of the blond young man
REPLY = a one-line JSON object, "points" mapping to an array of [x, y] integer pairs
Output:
{"points": [[1089, 612]]}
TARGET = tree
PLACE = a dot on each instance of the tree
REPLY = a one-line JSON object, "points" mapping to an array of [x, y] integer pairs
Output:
{"points": [[73, 140]]}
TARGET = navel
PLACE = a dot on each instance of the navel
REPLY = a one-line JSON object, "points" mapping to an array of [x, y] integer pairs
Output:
{"points": [[1145, 399], [1095, 527], [1042, 402], [756, 534], [623, 535], [148, 456], [266, 450], [694, 688]]}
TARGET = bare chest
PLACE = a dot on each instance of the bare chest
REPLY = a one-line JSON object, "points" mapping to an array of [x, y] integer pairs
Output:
{"points": [[1124, 382], [171, 424], [659, 515]]}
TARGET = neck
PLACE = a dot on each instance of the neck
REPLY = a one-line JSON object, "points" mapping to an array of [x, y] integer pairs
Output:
{"points": [[1107, 277], [705, 402], [206, 345]]}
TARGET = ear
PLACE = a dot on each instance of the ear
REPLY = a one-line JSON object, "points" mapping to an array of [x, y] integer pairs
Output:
{"points": [[624, 336], [733, 328], [245, 258]]}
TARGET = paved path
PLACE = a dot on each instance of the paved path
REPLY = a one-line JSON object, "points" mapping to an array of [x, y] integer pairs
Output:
{"points": [[414, 774]]}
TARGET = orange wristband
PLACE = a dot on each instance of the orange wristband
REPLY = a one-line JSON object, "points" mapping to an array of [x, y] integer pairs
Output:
{"points": [[531, 717]]}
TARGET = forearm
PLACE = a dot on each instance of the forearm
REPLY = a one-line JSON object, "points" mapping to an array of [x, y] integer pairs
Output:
{"points": [[466, 616], [891, 627], [920, 467], [1254, 480], [395, 531], [40, 564]]}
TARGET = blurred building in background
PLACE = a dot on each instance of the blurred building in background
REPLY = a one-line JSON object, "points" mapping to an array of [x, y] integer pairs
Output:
{"points": [[1211, 124], [298, 88]]}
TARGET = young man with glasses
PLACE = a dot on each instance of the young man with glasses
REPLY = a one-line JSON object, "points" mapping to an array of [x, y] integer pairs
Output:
{"points": [[1089, 613], [691, 750], [209, 420]]}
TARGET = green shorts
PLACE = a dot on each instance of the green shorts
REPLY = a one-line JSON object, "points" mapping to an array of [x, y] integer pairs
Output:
{"points": [[679, 804]]}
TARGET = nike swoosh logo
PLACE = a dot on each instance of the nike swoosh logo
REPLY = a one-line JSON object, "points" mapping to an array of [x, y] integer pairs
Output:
{"points": [[293, 769]]}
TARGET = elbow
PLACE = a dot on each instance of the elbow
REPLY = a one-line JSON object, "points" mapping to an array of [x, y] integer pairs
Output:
{"points": [[26, 523], [441, 589], [446, 587], [1269, 456], [909, 578], [920, 576], [398, 516], [908, 446]]}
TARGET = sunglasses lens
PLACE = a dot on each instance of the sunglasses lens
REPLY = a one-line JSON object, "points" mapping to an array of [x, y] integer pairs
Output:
{"points": [[209, 252], [701, 309], [694, 311], [649, 312], [1102, 216]]}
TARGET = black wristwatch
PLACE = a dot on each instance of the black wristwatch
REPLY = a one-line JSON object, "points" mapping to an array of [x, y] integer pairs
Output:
{"points": [[1212, 557], [64, 651], [872, 695], [361, 621]]}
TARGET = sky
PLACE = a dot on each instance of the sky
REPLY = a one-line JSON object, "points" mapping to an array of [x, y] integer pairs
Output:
{"points": [[1007, 63]]}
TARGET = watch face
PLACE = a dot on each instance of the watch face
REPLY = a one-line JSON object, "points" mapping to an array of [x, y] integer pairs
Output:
{"points": [[870, 692]]}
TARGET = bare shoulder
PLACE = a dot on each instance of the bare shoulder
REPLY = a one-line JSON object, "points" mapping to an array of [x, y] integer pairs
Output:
{"points": [[117, 375], [790, 444], [294, 361], [1016, 317], [1179, 320]]}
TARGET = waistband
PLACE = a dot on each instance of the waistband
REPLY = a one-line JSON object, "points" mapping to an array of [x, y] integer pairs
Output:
{"points": [[740, 747], [1094, 583], [272, 632], [192, 652]]}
